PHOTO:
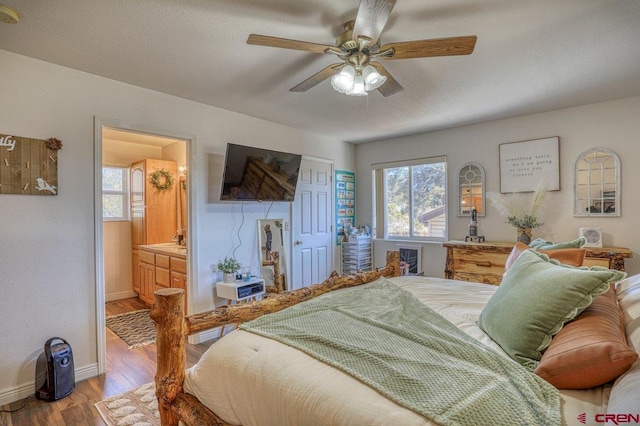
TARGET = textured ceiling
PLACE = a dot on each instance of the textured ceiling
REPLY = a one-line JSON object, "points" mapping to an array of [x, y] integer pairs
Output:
{"points": [[531, 56]]}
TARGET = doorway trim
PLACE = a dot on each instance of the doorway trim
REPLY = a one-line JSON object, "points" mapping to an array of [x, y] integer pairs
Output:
{"points": [[192, 183]]}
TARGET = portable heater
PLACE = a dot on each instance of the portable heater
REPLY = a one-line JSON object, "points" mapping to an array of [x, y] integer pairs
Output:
{"points": [[55, 375]]}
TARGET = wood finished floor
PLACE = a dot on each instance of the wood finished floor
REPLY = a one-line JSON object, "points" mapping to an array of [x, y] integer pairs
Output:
{"points": [[126, 369]]}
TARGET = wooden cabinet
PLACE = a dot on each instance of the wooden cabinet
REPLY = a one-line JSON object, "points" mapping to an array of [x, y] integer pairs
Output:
{"points": [[160, 268], [484, 262], [153, 212]]}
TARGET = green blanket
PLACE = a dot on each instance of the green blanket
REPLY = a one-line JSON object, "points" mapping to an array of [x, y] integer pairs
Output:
{"points": [[388, 339]]}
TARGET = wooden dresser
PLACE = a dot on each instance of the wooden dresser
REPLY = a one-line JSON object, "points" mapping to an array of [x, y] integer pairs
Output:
{"points": [[484, 262]]}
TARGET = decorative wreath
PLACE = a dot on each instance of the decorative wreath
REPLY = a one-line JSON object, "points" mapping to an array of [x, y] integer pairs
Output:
{"points": [[162, 179]]}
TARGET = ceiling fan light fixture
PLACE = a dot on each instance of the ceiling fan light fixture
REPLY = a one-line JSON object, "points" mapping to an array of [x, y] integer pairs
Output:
{"points": [[343, 82], [372, 78], [358, 87], [8, 15]]}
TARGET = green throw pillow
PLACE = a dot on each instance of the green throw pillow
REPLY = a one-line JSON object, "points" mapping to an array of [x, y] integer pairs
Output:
{"points": [[536, 298], [541, 244]]}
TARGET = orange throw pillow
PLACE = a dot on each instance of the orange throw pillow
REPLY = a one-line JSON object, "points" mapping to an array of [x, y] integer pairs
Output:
{"points": [[572, 256], [590, 350]]}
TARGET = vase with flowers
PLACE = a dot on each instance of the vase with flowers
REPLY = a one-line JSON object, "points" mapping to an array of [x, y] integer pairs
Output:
{"points": [[229, 268], [521, 214]]}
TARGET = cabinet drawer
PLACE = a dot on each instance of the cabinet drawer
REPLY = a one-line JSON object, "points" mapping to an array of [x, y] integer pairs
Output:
{"points": [[178, 280], [162, 261], [178, 265], [479, 262], [147, 257], [162, 277]]}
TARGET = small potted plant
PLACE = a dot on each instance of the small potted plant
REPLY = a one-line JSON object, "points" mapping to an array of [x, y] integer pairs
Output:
{"points": [[229, 268]]}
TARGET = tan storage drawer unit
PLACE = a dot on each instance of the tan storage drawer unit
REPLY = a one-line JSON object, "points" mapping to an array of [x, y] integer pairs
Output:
{"points": [[484, 262]]}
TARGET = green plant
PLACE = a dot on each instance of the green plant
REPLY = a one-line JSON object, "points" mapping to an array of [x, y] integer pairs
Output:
{"points": [[519, 213], [229, 265]]}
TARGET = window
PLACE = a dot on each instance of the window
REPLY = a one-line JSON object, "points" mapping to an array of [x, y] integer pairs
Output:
{"points": [[412, 199], [115, 193]]}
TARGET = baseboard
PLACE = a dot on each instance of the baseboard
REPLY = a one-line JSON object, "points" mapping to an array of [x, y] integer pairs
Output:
{"points": [[20, 392], [204, 336], [120, 295]]}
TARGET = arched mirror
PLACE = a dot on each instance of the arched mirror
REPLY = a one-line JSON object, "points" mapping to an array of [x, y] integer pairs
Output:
{"points": [[471, 189], [597, 183]]}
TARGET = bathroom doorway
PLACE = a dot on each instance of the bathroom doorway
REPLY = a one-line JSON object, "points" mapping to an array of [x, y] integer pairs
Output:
{"points": [[118, 145]]}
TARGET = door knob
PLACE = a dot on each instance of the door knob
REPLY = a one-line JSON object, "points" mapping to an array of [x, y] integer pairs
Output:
{"points": [[298, 242]]}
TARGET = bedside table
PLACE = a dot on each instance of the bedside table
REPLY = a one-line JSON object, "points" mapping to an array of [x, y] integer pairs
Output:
{"points": [[240, 291]]}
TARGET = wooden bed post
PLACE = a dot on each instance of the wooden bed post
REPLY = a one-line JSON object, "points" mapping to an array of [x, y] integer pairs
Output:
{"points": [[168, 314], [393, 264]]}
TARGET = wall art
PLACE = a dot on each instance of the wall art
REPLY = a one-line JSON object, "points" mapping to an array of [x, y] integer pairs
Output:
{"points": [[28, 166], [524, 164]]}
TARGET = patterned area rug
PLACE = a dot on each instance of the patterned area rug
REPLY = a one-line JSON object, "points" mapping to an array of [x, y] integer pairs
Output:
{"points": [[135, 328], [138, 407]]}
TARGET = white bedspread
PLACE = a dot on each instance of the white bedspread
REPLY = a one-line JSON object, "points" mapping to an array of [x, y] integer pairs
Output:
{"points": [[251, 380]]}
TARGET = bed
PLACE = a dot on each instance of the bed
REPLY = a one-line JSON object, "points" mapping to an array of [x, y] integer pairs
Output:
{"points": [[249, 378]]}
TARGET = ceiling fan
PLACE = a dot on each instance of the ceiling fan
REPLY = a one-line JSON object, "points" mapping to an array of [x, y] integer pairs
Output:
{"points": [[359, 48]]}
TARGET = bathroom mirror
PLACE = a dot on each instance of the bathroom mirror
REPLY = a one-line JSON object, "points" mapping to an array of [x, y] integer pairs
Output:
{"points": [[597, 183], [471, 189]]}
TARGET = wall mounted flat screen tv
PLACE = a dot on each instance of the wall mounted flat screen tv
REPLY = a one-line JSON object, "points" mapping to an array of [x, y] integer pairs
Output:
{"points": [[256, 174]]}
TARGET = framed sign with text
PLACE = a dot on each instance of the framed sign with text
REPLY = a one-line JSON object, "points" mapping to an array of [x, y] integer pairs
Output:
{"points": [[28, 166], [524, 164]]}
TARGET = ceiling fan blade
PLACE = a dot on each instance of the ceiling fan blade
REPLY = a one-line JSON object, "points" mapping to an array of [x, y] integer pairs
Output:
{"points": [[451, 46], [318, 77], [285, 43], [391, 86], [371, 18]]}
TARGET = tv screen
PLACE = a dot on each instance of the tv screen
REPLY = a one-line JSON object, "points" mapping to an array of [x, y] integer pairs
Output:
{"points": [[256, 174]]}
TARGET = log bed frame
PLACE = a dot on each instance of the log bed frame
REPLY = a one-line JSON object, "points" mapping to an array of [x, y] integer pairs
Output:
{"points": [[172, 327]]}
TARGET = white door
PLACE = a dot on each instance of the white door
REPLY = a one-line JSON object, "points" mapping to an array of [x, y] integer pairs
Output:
{"points": [[312, 224]]}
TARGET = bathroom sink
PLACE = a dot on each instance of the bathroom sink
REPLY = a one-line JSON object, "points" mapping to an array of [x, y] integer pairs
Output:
{"points": [[168, 247]]}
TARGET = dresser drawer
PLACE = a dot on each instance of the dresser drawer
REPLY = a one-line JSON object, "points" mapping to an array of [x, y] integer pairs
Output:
{"points": [[479, 262], [478, 278], [594, 261]]}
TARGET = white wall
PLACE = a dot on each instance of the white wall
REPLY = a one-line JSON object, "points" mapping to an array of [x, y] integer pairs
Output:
{"points": [[612, 125], [47, 284]]}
